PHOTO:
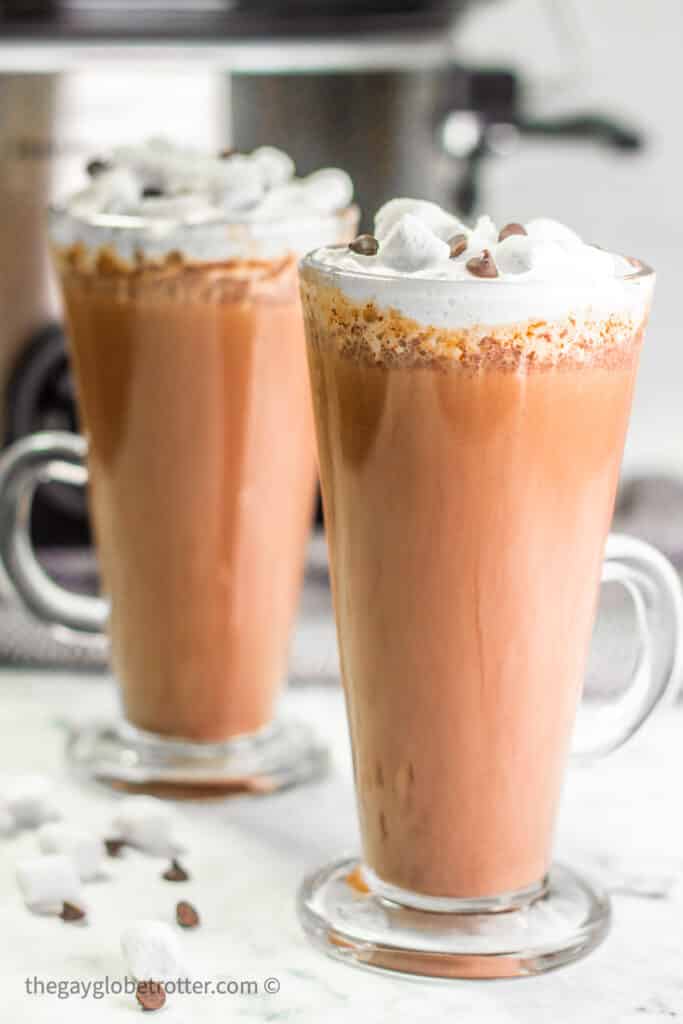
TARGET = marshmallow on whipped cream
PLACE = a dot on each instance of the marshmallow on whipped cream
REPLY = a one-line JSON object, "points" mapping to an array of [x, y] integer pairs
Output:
{"points": [[418, 248], [156, 199], [160, 181]]}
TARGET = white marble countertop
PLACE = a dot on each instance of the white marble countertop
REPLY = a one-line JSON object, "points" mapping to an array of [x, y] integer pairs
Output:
{"points": [[622, 818]]}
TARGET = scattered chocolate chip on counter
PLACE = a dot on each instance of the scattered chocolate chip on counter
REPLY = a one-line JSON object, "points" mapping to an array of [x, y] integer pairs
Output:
{"points": [[186, 915], [150, 995], [71, 912], [176, 872]]}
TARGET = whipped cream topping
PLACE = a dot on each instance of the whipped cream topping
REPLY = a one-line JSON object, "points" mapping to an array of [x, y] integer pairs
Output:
{"points": [[422, 249], [181, 198]]}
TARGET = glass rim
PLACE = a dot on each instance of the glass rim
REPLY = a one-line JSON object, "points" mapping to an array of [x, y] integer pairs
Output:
{"points": [[641, 272], [131, 223]]}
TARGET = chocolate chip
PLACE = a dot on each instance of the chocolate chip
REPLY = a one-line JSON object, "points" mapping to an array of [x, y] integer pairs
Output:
{"points": [[226, 153], [511, 229], [482, 266], [186, 915], [152, 192], [458, 244], [70, 912], [365, 245], [114, 847], [97, 166], [175, 873], [150, 995]]}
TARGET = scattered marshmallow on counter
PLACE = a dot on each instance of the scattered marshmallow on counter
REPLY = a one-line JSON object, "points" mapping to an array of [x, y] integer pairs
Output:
{"points": [[85, 850], [152, 952], [146, 823], [49, 881], [29, 800]]}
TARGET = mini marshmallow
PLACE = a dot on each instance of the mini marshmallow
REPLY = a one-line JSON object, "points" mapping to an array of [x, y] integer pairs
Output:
{"points": [[49, 881], [514, 255], [272, 165], [544, 229], [328, 189], [486, 229], [152, 952], [146, 822], [484, 235], [411, 245], [247, 184], [111, 192], [85, 850], [29, 800], [444, 225]]}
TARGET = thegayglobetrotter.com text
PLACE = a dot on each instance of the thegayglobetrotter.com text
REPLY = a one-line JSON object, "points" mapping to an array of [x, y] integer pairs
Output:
{"points": [[78, 988]]}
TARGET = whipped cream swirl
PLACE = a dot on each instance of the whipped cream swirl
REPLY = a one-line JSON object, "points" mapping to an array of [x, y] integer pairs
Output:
{"points": [[422, 248], [182, 198]]}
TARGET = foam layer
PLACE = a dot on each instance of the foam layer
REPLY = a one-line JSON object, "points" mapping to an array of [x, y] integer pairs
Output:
{"points": [[159, 198], [381, 336], [545, 273]]}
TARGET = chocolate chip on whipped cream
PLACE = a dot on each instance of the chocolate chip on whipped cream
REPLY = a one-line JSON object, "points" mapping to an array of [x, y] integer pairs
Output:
{"points": [[511, 229], [365, 245], [483, 266], [458, 244], [97, 166]]}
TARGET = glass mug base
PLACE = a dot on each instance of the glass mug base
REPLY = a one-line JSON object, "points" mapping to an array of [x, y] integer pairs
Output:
{"points": [[528, 933], [285, 753]]}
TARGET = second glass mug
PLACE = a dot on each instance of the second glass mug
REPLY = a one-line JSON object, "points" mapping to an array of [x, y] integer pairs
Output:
{"points": [[200, 455], [468, 478]]}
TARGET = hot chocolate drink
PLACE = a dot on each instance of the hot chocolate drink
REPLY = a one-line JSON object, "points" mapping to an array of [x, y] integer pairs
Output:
{"points": [[472, 397], [179, 277], [194, 400]]}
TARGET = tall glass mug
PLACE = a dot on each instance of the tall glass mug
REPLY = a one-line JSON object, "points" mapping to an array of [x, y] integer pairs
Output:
{"points": [[201, 466], [468, 478]]}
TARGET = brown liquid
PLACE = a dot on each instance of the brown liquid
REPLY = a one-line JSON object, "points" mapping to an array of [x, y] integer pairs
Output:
{"points": [[194, 397], [467, 508]]}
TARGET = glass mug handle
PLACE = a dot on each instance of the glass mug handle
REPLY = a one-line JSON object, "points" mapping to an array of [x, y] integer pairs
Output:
{"points": [[47, 457], [648, 577], [655, 590]]}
